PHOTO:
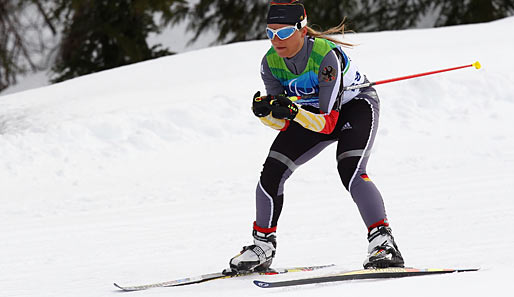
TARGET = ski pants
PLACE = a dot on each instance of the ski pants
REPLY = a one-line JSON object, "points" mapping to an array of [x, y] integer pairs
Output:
{"points": [[354, 133]]}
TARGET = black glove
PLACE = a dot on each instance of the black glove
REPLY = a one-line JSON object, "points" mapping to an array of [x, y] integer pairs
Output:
{"points": [[283, 108], [261, 106]]}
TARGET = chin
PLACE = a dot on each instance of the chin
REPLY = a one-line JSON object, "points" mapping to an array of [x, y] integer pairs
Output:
{"points": [[282, 53]]}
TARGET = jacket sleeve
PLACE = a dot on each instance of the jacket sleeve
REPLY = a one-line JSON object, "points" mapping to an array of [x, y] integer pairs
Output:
{"points": [[272, 85], [330, 84]]}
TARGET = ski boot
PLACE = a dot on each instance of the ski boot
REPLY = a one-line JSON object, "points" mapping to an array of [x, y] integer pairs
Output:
{"points": [[382, 250], [258, 256]]}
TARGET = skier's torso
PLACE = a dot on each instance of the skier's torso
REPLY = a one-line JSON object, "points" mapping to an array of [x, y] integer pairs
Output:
{"points": [[319, 70]]}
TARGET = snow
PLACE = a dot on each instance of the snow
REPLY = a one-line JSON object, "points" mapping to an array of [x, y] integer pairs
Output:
{"points": [[147, 173]]}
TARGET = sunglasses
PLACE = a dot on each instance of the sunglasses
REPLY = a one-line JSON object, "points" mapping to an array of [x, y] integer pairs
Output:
{"points": [[285, 32], [282, 33]]}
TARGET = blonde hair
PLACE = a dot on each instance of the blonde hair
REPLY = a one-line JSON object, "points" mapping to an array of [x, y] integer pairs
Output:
{"points": [[334, 30]]}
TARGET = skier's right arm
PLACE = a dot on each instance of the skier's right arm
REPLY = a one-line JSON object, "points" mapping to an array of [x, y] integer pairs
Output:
{"points": [[272, 86]]}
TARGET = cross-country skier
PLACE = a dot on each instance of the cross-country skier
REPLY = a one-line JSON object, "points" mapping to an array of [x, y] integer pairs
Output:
{"points": [[307, 63]]}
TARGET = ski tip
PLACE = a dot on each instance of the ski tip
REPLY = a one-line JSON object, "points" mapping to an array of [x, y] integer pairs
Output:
{"points": [[126, 289], [261, 284], [477, 65], [117, 286], [466, 269]]}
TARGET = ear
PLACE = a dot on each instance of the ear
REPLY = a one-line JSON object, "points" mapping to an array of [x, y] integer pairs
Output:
{"points": [[304, 31]]}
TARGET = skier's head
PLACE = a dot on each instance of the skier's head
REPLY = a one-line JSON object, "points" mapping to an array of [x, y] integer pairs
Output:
{"points": [[287, 26]]}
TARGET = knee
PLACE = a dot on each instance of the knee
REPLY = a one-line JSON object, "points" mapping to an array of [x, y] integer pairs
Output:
{"points": [[272, 170], [273, 175], [347, 168]]}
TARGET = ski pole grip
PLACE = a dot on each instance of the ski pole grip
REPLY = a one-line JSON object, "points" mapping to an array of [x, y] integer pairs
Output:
{"points": [[360, 86]]}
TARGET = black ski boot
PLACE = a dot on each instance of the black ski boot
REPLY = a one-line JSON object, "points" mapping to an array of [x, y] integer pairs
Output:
{"points": [[256, 257], [382, 250]]}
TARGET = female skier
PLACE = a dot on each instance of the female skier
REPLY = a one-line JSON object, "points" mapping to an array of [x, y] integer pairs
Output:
{"points": [[305, 63]]}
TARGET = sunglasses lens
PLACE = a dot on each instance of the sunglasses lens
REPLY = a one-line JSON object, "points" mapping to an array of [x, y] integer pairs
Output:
{"points": [[269, 33], [285, 33]]}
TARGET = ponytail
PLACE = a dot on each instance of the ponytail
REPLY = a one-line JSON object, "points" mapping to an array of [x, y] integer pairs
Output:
{"points": [[334, 30]]}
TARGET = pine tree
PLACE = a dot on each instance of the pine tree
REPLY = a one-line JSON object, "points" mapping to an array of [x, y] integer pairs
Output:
{"points": [[234, 20], [323, 14], [379, 15], [471, 11], [100, 35]]}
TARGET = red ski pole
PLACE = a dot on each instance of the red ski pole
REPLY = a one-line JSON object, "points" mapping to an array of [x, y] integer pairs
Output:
{"points": [[385, 81]]}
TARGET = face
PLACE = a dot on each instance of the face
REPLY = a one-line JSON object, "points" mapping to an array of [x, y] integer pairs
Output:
{"points": [[291, 46]]}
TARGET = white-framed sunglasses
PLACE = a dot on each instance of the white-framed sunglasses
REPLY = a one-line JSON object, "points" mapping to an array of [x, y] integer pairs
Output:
{"points": [[285, 32]]}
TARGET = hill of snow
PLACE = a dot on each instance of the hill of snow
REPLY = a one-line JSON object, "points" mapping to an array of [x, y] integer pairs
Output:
{"points": [[147, 173]]}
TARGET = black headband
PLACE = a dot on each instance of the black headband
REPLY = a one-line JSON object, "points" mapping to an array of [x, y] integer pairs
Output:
{"points": [[286, 12]]}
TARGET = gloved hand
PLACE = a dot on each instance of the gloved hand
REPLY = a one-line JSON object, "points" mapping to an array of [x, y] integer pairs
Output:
{"points": [[261, 106], [283, 108]]}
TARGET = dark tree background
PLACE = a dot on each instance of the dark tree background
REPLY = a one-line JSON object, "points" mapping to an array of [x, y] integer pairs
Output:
{"points": [[240, 20], [95, 35], [472, 11], [100, 35]]}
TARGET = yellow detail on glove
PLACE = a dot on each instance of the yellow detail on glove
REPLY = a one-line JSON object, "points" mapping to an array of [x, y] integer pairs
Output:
{"points": [[277, 124], [309, 120]]}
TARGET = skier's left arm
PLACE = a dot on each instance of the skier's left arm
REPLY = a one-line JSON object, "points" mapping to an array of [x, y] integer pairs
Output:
{"points": [[330, 80]]}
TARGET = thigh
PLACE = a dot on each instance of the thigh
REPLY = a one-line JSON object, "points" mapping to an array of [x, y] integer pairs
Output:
{"points": [[356, 137], [359, 123], [291, 148]]}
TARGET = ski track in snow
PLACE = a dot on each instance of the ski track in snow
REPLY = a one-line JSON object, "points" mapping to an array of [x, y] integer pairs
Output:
{"points": [[145, 173]]}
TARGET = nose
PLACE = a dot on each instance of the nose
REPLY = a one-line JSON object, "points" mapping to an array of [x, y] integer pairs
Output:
{"points": [[276, 39]]}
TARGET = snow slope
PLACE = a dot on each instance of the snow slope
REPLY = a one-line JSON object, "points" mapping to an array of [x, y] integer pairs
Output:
{"points": [[147, 173]]}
